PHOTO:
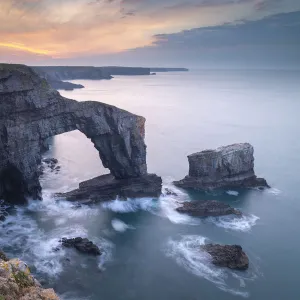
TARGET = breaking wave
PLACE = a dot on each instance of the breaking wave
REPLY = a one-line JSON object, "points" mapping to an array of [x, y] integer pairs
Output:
{"points": [[187, 254]]}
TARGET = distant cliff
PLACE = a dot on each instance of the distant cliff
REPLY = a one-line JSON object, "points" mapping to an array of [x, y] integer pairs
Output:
{"points": [[56, 75], [157, 70], [129, 71]]}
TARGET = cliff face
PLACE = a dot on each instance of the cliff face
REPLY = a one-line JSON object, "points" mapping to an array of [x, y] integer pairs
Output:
{"points": [[127, 71], [16, 282], [229, 166], [31, 112], [72, 73]]}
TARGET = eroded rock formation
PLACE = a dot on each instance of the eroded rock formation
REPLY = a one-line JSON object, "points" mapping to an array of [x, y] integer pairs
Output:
{"points": [[207, 208], [229, 166], [230, 256], [82, 245], [31, 112], [106, 187]]}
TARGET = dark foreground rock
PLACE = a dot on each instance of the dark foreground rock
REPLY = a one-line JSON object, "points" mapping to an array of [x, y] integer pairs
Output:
{"points": [[230, 256], [230, 166], [107, 187], [207, 208], [83, 245], [31, 112]]}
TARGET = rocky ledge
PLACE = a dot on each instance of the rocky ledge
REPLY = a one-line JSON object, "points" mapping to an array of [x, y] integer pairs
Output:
{"points": [[230, 256], [107, 187], [17, 283], [31, 112], [230, 166], [207, 208], [82, 245]]}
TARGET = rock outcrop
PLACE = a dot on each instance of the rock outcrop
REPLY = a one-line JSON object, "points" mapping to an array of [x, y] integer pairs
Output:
{"points": [[17, 283], [106, 187], [230, 256], [82, 245], [207, 208], [229, 166], [31, 112]]}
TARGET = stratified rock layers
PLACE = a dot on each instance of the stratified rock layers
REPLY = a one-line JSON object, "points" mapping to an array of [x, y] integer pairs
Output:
{"points": [[106, 187], [31, 112], [229, 166]]}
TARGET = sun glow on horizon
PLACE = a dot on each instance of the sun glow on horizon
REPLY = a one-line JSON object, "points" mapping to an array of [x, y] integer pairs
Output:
{"points": [[25, 48]]}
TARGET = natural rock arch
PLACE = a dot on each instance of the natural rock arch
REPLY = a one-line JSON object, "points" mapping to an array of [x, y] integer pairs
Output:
{"points": [[31, 112]]}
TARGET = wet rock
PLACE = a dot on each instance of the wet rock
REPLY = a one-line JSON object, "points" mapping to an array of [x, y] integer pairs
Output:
{"points": [[106, 187], [207, 208], [230, 256], [31, 112], [169, 192], [230, 166], [82, 245]]}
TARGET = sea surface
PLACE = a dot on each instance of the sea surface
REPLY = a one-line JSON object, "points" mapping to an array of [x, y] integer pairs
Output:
{"points": [[149, 250]]}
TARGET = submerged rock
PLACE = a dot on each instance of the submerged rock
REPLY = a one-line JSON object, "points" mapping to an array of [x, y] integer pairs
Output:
{"points": [[230, 256], [107, 187], [207, 208], [31, 112], [17, 283], [83, 245], [230, 166]]}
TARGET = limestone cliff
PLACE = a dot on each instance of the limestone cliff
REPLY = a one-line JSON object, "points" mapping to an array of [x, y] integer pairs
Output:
{"points": [[31, 112], [229, 166], [17, 283]]}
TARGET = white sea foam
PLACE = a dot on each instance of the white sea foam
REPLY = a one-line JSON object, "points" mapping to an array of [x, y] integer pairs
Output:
{"points": [[243, 223], [273, 191], [130, 205], [186, 252], [38, 247], [120, 226], [232, 193]]}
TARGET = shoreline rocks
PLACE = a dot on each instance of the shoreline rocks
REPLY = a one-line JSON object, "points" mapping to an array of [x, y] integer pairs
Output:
{"points": [[207, 208], [230, 256], [107, 187], [17, 283], [82, 245], [229, 166]]}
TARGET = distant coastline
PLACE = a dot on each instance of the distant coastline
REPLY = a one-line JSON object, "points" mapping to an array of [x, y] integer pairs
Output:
{"points": [[58, 76]]}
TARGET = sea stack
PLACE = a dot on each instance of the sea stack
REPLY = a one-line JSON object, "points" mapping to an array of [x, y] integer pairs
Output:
{"points": [[225, 167]]}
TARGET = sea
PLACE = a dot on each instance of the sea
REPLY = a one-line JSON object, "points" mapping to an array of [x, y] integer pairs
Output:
{"points": [[149, 250]]}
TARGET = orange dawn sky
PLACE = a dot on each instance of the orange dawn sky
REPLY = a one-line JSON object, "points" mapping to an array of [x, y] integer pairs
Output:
{"points": [[43, 30]]}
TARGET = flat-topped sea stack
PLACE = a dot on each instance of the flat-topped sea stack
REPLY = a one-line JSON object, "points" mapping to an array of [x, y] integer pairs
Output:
{"points": [[31, 112], [225, 167]]}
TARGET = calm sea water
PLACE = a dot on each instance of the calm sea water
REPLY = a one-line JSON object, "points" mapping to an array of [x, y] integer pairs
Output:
{"points": [[150, 251]]}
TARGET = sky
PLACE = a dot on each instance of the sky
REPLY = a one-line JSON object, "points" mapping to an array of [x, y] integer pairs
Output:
{"points": [[186, 33]]}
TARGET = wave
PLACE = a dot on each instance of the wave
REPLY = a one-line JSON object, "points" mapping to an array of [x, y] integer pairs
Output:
{"points": [[187, 254], [23, 236], [243, 223], [120, 226], [130, 205], [232, 193], [165, 206]]}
